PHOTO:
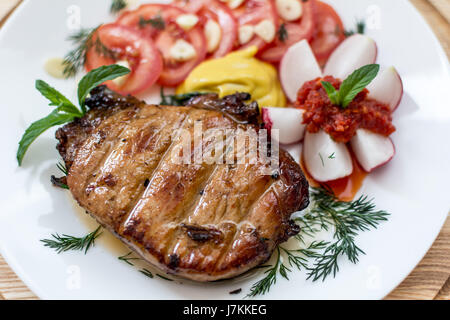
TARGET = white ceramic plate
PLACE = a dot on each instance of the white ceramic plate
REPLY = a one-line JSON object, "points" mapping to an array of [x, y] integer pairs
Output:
{"points": [[413, 187]]}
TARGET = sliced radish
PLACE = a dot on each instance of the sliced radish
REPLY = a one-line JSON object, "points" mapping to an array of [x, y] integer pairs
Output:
{"points": [[325, 159], [298, 66], [355, 52], [372, 150], [387, 88], [295, 150], [287, 120]]}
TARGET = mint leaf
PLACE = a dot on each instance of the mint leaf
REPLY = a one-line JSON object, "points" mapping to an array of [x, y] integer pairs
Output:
{"points": [[331, 91], [350, 87], [356, 82], [37, 128], [56, 98], [96, 77]]}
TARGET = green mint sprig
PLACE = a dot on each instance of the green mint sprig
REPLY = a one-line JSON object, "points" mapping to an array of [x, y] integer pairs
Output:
{"points": [[65, 110], [350, 87]]}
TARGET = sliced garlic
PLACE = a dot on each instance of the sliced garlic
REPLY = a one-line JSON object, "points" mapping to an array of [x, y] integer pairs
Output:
{"points": [[246, 33], [187, 21], [213, 34], [289, 10], [233, 4], [55, 67], [121, 80], [266, 30], [182, 51]]}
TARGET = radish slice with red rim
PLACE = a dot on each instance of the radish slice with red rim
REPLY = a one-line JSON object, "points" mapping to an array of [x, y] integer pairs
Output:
{"points": [[288, 121], [298, 66], [326, 159], [372, 150], [353, 53], [387, 88]]}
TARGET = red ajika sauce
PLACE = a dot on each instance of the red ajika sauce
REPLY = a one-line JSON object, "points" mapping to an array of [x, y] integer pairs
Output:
{"points": [[341, 124]]}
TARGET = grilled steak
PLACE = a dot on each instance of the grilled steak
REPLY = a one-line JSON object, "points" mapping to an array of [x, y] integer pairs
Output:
{"points": [[204, 221]]}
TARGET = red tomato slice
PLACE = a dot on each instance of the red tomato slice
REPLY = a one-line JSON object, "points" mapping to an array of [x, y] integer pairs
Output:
{"points": [[329, 32], [126, 44], [213, 9], [173, 72], [251, 12], [295, 31]]}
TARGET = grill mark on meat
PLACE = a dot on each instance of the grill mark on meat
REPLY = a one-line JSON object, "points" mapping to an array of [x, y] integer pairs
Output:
{"points": [[205, 173], [125, 225], [151, 176], [149, 216]]}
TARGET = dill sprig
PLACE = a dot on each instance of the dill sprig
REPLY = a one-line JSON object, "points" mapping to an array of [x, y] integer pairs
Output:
{"points": [[348, 219], [156, 22], [127, 259], [177, 99], [282, 33], [296, 258], [146, 272], [83, 42], [360, 28], [321, 258], [76, 58], [117, 5], [62, 168], [63, 243]]}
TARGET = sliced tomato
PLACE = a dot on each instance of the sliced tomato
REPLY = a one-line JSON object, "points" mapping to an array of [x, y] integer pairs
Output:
{"points": [[165, 36], [294, 31], [220, 13], [123, 43], [329, 32], [251, 12]]}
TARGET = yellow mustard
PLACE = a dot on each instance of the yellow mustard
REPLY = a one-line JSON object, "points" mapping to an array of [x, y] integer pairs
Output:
{"points": [[238, 71]]}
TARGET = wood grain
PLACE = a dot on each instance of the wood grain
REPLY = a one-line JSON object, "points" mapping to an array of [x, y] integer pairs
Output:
{"points": [[429, 280]]}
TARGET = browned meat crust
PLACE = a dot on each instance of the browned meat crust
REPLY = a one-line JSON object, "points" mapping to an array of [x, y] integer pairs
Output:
{"points": [[200, 221]]}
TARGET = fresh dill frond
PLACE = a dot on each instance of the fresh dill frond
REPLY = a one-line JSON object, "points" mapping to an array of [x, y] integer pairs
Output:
{"points": [[117, 5], [282, 33], [348, 219], [331, 156], [263, 286], [146, 272], [127, 259], [360, 28], [76, 58], [82, 42], [63, 243], [321, 258], [296, 258], [62, 168], [162, 277], [177, 99], [156, 22]]}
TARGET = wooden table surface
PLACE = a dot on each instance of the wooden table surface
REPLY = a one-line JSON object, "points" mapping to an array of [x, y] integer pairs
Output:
{"points": [[429, 280]]}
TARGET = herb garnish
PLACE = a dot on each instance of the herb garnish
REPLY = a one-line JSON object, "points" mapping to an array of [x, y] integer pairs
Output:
{"points": [[146, 273], [117, 5], [65, 242], [76, 58], [321, 258], [332, 156], [282, 33], [350, 87], [126, 258], [177, 99], [360, 28], [83, 42], [65, 110], [156, 22]]}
